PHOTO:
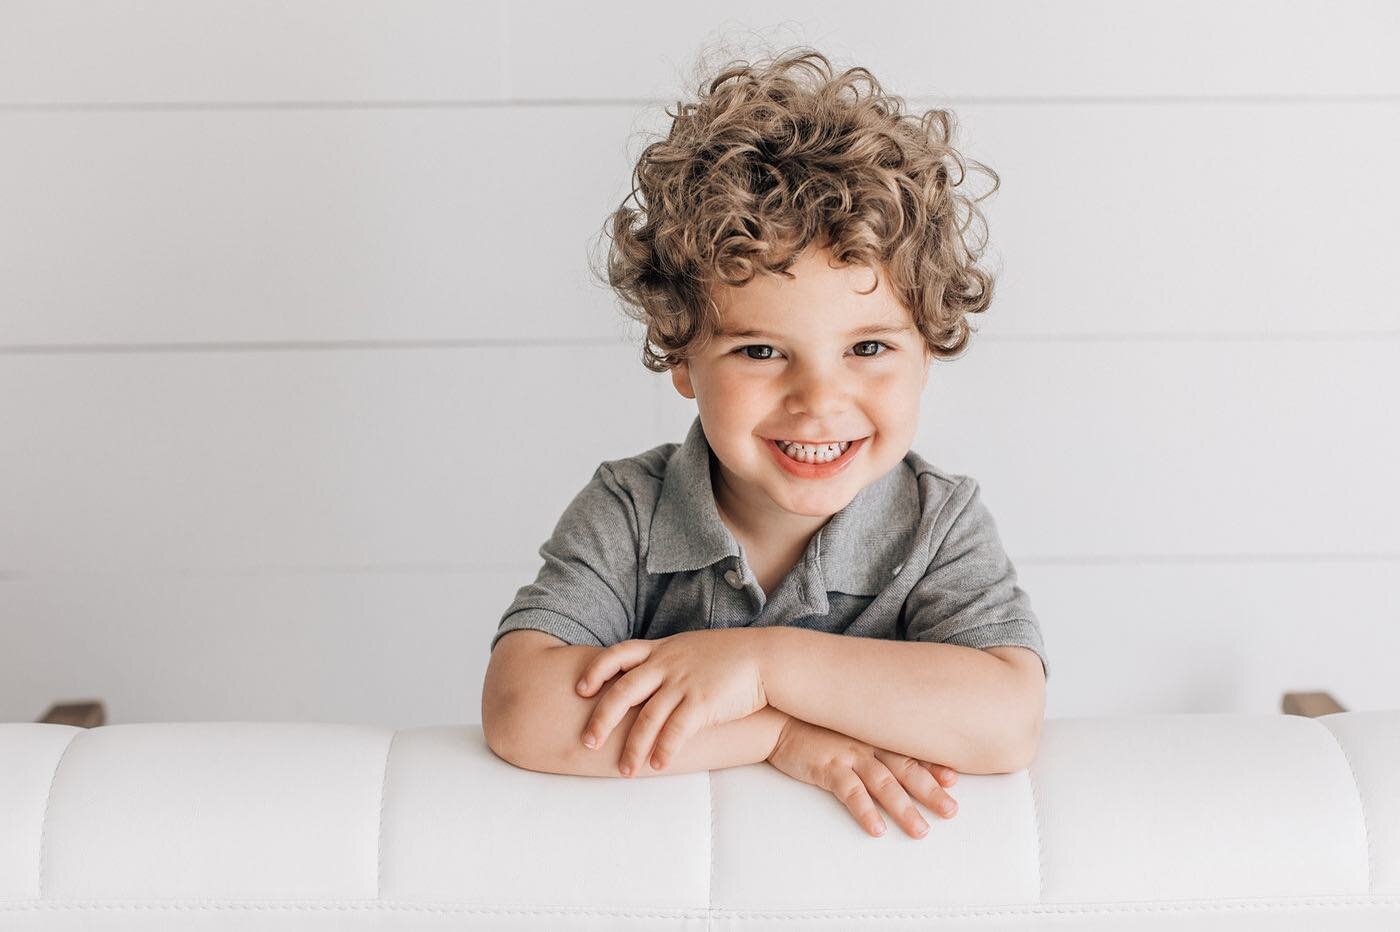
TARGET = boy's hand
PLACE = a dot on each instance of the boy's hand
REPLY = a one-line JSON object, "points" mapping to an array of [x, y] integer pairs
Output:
{"points": [[694, 679], [851, 770]]}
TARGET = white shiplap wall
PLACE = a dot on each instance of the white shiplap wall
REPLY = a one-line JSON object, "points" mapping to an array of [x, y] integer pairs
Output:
{"points": [[300, 357]]}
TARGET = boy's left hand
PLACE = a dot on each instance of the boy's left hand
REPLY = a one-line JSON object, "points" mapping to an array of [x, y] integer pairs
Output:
{"points": [[694, 679]]}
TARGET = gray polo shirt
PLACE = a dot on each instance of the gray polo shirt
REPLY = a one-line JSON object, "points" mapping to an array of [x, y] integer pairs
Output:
{"points": [[641, 552]]}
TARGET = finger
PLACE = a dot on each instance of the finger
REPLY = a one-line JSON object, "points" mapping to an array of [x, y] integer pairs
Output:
{"points": [[624, 655], [947, 776], [684, 722], [918, 778], [850, 789], [890, 794], [644, 729], [632, 688]]}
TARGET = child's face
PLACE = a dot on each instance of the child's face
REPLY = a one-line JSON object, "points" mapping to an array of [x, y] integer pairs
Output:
{"points": [[810, 377]]}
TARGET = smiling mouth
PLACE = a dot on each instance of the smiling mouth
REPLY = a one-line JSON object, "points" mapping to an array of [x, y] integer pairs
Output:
{"points": [[815, 456], [818, 449]]}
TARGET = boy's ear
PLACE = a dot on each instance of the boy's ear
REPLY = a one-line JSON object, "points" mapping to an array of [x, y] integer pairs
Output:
{"points": [[680, 377]]}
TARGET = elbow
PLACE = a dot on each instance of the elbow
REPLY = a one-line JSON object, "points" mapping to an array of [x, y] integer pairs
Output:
{"points": [[522, 737], [511, 739], [530, 714], [1025, 744], [1006, 743], [1017, 750], [499, 730], [498, 700], [506, 725], [1010, 755]]}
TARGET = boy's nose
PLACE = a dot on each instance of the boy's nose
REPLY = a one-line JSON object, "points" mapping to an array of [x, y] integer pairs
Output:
{"points": [[819, 394]]}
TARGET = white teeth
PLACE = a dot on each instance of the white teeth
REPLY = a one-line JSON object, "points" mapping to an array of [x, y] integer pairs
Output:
{"points": [[813, 453]]}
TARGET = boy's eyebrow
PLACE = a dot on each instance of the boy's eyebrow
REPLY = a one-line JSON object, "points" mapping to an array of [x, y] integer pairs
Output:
{"points": [[868, 330]]}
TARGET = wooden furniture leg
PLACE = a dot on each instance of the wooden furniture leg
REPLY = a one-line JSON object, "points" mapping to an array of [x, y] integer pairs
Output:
{"points": [[87, 714], [1310, 704]]}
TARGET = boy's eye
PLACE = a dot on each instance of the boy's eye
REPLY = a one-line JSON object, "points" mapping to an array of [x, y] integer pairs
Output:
{"points": [[873, 343], [769, 354]]}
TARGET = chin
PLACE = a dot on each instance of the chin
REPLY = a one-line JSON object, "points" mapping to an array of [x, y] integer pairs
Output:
{"points": [[817, 504]]}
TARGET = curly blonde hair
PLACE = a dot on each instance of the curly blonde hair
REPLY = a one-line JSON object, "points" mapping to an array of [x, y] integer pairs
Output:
{"points": [[765, 164]]}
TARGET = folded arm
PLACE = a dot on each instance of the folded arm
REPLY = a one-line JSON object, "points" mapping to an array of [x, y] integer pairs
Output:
{"points": [[974, 710], [532, 717]]}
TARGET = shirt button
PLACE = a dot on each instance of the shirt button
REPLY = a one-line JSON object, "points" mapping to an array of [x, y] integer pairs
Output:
{"points": [[734, 579]]}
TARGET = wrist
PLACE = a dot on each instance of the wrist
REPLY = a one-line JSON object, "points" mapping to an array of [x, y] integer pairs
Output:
{"points": [[768, 644], [784, 723]]}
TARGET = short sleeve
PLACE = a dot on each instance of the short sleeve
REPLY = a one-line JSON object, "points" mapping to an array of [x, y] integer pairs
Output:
{"points": [[968, 595], [586, 590]]}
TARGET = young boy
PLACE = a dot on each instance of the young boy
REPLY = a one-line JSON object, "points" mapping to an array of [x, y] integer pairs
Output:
{"points": [[792, 583]]}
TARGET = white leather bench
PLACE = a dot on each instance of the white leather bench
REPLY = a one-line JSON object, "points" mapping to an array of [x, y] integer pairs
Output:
{"points": [[1209, 821]]}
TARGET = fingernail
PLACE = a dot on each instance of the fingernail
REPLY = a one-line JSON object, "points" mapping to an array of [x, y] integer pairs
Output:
{"points": [[626, 769], [946, 808], [582, 685], [590, 741], [879, 828]]}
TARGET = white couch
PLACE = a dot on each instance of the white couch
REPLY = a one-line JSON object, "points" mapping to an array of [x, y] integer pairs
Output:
{"points": [[1274, 822]]}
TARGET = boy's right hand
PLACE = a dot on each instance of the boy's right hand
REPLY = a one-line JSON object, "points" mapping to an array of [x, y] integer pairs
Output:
{"points": [[852, 771]]}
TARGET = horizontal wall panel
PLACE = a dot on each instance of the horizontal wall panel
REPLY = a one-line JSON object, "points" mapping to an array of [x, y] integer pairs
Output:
{"points": [[66, 52], [389, 457], [1200, 218], [284, 225], [1017, 48], [355, 458], [1174, 449], [410, 647], [461, 225], [1226, 636], [393, 648]]}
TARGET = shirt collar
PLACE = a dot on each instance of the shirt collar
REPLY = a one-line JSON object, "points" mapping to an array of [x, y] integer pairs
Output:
{"points": [[856, 552]]}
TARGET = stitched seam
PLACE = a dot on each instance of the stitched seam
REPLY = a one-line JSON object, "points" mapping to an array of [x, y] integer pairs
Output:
{"points": [[1017, 620], [44, 819], [639, 570], [710, 884], [713, 583], [1360, 801], [379, 840], [836, 913], [1039, 846], [550, 611], [943, 505], [925, 543]]}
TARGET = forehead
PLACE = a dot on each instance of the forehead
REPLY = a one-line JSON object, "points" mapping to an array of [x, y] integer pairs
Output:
{"points": [[874, 328], [848, 299]]}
